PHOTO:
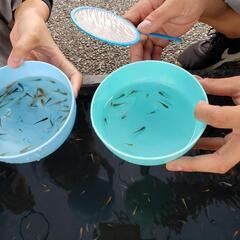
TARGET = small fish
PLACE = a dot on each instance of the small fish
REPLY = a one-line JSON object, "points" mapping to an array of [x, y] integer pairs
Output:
{"points": [[29, 95], [184, 203], [28, 225], [64, 110], [121, 96], [206, 190], [140, 130], [10, 86], [3, 105], [64, 119], [21, 86], [46, 190], [61, 92], [25, 149], [235, 234], [124, 116], [135, 211], [48, 101], [59, 118], [132, 92], [163, 94], [13, 91], [82, 193], [20, 130], [3, 134], [0, 123], [32, 104], [108, 201], [51, 122], [152, 112], [4, 154], [44, 185], [81, 232], [40, 92], [106, 121], [109, 225], [147, 95], [43, 120], [36, 80], [60, 101], [116, 104], [51, 81], [130, 144], [164, 105], [225, 184], [42, 102]]}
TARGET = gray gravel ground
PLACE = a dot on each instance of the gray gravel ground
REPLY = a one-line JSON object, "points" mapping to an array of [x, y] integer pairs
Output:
{"points": [[94, 57]]}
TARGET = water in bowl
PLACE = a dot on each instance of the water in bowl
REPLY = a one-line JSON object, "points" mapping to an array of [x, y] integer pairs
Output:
{"points": [[149, 120], [32, 110]]}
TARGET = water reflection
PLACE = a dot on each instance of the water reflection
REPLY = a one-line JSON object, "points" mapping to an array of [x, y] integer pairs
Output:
{"points": [[15, 195]]}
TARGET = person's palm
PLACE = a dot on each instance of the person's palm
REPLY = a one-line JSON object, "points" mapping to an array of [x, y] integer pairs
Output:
{"points": [[31, 40], [227, 150]]}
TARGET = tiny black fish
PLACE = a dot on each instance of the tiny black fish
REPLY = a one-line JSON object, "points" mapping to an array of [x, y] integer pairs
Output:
{"points": [[48, 100], [51, 122], [140, 130], [130, 144], [163, 94], [26, 149], [105, 120], [61, 92], [21, 86], [52, 81], [152, 112], [59, 102], [124, 116], [164, 105], [121, 96], [116, 104], [147, 95], [36, 80], [43, 120], [132, 92]]}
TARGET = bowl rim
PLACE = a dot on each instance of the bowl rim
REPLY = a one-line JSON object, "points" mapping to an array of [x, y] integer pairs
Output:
{"points": [[191, 142], [59, 132]]}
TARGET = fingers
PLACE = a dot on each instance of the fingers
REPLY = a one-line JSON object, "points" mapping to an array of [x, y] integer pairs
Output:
{"points": [[136, 52], [221, 86], [210, 143], [21, 49], [157, 18], [148, 48], [218, 117], [219, 162], [60, 61]]}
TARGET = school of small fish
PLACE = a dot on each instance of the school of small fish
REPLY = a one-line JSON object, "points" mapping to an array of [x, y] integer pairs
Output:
{"points": [[16, 92]]}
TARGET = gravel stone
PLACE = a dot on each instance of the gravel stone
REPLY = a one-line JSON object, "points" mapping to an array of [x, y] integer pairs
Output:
{"points": [[94, 57]]}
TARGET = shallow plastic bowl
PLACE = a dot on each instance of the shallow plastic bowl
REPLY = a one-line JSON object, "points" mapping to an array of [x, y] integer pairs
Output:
{"points": [[144, 112], [37, 111]]}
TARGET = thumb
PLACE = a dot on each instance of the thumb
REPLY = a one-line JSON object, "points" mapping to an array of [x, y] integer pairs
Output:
{"points": [[21, 49], [157, 18]]}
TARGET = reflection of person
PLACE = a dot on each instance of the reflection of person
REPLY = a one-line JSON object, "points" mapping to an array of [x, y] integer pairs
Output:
{"points": [[14, 194], [30, 37], [175, 17]]}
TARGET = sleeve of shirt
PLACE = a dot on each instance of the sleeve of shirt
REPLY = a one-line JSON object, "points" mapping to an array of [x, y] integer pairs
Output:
{"points": [[49, 4]]}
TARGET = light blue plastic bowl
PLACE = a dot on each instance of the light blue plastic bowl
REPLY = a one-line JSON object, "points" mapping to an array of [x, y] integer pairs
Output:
{"points": [[23, 136], [122, 118]]}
